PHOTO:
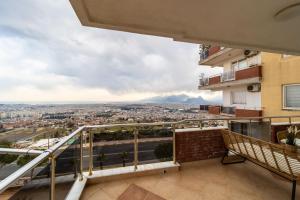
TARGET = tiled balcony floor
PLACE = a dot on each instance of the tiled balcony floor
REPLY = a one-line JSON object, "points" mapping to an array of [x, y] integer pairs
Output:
{"points": [[208, 179]]}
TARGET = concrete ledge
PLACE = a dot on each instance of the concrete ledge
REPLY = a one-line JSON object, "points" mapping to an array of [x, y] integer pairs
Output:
{"points": [[77, 189], [199, 129], [125, 172]]}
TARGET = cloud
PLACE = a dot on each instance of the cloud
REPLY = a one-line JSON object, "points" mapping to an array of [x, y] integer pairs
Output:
{"points": [[43, 47]]}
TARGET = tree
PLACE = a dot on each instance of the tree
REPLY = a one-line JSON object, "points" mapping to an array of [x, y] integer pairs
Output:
{"points": [[70, 124], [101, 159], [7, 159], [164, 151], [124, 156], [5, 144]]}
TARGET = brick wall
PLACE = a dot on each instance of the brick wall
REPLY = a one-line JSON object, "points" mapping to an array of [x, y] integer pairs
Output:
{"points": [[215, 110], [214, 80], [247, 113], [248, 73], [198, 145], [213, 50]]}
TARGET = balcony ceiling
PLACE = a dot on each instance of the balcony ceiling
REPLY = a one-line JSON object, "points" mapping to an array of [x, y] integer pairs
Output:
{"points": [[267, 25]]}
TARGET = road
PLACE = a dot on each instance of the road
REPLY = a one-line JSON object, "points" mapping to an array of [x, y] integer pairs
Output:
{"points": [[65, 161], [112, 155]]}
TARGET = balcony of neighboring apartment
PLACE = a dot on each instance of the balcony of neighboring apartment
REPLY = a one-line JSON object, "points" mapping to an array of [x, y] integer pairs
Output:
{"points": [[216, 55], [244, 71], [233, 111]]}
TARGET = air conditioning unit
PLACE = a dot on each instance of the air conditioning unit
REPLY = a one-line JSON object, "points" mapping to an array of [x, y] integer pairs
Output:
{"points": [[249, 53], [253, 88]]}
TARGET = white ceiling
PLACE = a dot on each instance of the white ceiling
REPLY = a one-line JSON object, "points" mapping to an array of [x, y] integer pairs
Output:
{"points": [[247, 24]]}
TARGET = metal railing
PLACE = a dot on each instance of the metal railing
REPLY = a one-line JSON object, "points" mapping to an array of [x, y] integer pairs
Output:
{"points": [[203, 107], [89, 131], [228, 76], [203, 81], [228, 110]]}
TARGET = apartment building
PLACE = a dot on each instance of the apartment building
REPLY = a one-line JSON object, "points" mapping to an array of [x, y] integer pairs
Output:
{"points": [[253, 83]]}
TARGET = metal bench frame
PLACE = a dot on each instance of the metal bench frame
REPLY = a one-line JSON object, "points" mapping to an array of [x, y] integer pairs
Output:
{"points": [[270, 156]]}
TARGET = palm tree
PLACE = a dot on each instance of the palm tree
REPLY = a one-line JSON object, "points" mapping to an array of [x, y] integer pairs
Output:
{"points": [[101, 159], [124, 156]]}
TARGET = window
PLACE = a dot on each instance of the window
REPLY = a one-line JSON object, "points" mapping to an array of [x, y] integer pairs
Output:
{"points": [[246, 62], [243, 64], [238, 97], [240, 64], [291, 96]]}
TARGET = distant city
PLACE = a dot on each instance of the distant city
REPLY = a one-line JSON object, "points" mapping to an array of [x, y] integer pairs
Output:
{"points": [[24, 122], [39, 126], [166, 108]]}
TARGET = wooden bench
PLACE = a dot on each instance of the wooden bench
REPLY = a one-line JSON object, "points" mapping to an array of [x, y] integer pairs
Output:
{"points": [[271, 156]]}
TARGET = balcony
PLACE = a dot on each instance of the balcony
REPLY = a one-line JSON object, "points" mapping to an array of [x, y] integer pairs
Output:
{"points": [[257, 112], [214, 110], [216, 55], [73, 168], [249, 75], [232, 111], [228, 110], [207, 51], [204, 108], [206, 179]]}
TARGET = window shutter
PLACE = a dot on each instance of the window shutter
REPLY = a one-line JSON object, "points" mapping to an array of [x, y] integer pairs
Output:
{"points": [[292, 96]]}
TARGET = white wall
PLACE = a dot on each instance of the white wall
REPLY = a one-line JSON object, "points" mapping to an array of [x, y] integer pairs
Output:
{"points": [[253, 99], [227, 64]]}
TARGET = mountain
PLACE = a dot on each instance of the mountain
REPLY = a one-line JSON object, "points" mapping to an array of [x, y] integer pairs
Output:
{"points": [[178, 99]]}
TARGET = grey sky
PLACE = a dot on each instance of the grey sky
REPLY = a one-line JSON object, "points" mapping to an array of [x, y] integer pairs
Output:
{"points": [[46, 55]]}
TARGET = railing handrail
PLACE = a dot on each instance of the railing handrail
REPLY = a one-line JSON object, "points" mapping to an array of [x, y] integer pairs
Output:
{"points": [[20, 151], [11, 179], [5, 183]]}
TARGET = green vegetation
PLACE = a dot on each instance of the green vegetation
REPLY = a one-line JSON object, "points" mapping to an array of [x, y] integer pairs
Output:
{"points": [[23, 160], [5, 144], [124, 157], [101, 159], [119, 134], [6, 158], [164, 151]]}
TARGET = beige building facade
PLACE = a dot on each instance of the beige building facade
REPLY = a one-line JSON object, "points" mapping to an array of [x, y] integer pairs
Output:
{"points": [[253, 83], [280, 73]]}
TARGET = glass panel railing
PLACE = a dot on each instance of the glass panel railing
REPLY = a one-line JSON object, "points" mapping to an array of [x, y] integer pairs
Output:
{"points": [[35, 184], [260, 129], [113, 148], [155, 144], [67, 167], [8, 165]]}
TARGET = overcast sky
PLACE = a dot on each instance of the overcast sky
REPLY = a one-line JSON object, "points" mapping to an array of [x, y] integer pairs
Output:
{"points": [[46, 55]]}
